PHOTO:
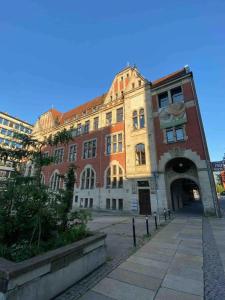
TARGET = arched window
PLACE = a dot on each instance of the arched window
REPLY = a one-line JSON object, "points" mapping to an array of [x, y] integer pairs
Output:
{"points": [[55, 181], [114, 177], [88, 179], [141, 118], [140, 154], [135, 119]]}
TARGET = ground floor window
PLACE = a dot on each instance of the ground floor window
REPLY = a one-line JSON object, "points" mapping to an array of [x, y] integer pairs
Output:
{"points": [[86, 202], [114, 204]]}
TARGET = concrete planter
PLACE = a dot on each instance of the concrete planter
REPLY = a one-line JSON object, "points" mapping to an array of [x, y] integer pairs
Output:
{"points": [[45, 276]]}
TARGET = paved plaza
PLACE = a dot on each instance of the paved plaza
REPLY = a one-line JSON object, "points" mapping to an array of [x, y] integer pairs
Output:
{"points": [[184, 260]]}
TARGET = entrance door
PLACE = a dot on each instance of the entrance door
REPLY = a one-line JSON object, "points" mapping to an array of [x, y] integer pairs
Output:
{"points": [[144, 201]]}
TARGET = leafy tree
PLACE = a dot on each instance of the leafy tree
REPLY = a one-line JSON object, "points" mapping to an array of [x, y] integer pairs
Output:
{"points": [[34, 219]]}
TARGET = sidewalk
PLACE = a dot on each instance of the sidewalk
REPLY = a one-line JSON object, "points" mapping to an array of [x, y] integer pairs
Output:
{"points": [[170, 266]]}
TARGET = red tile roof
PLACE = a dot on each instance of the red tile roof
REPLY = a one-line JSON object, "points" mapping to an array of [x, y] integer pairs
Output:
{"points": [[168, 78], [82, 108]]}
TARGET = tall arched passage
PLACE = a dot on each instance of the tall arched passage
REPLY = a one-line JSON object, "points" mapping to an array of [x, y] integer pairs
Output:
{"points": [[183, 185]]}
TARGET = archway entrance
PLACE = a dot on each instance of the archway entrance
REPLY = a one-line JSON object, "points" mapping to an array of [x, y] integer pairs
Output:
{"points": [[185, 195], [182, 185]]}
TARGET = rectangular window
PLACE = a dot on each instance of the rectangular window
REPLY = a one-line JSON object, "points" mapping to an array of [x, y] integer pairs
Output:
{"points": [[120, 142], [86, 202], [114, 183], [73, 153], [16, 126], [1, 120], [108, 118], [170, 135], [107, 203], [91, 202], [179, 134], [177, 95], [113, 204], [108, 145], [119, 115], [59, 155], [4, 131], [96, 121], [76, 199], [5, 122], [175, 134], [163, 100], [89, 150], [120, 204], [114, 143], [79, 129], [86, 126]]}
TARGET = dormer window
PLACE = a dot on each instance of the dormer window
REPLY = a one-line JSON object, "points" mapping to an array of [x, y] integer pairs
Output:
{"points": [[133, 85], [121, 78], [139, 83], [127, 75]]}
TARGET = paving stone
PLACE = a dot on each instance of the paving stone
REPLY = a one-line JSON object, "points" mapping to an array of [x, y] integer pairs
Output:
{"points": [[122, 291], [146, 270], [134, 278], [186, 272], [94, 296], [182, 284], [168, 294], [155, 256], [148, 262]]}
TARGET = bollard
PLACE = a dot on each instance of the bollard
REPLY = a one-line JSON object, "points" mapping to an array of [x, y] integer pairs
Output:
{"points": [[147, 226], [164, 211], [134, 234], [156, 226], [169, 213]]}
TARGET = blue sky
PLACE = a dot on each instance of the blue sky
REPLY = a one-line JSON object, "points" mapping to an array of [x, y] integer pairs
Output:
{"points": [[63, 53]]}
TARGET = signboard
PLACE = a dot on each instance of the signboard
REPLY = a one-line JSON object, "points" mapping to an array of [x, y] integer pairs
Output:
{"points": [[217, 166], [134, 204], [172, 115]]}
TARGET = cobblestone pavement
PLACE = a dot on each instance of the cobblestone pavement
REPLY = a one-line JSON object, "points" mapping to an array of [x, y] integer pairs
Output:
{"points": [[119, 232], [214, 278]]}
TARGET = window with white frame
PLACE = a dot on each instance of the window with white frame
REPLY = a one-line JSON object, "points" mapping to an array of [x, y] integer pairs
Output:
{"points": [[86, 126], [96, 123], [88, 179], [55, 181], [58, 155], [138, 118], [108, 117], [114, 177], [114, 143], [72, 153], [119, 114], [140, 154], [89, 149], [175, 134], [141, 118]]}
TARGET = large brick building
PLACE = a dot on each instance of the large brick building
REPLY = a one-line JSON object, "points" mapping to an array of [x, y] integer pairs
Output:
{"points": [[9, 127], [140, 146]]}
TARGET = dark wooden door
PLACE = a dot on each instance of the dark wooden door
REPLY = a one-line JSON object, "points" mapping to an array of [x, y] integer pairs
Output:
{"points": [[144, 202]]}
